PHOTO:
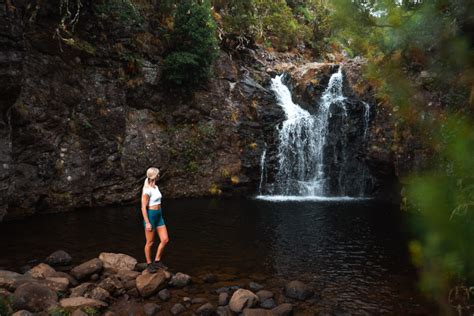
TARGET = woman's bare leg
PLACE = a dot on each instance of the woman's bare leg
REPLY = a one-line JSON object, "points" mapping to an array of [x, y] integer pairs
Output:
{"points": [[163, 233], [150, 240]]}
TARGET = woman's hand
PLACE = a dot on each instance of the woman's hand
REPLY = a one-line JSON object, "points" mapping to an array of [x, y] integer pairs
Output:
{"points": [[148, 227]]}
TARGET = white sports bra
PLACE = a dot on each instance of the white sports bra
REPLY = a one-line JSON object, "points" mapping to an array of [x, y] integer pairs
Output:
{"points": [[154, 194]]}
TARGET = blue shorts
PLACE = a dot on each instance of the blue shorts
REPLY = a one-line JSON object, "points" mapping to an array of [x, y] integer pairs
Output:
{"points": [[155, 217]]}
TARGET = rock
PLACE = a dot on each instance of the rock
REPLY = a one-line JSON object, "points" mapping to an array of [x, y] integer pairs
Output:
{"points": [[223, 298], [133, 292], [186, 300], [7, 278], [140, 266], [256, 312], [128, 285], [5, 293], [242, 299], [79, 312], [113, 285], [209, 278], [264, 294], [117, 261], [42, 271], [180, 280], [72, 281], [34, 297], [22, 313], [59, 258], [95, 277], [283, 310], [255, 287], [269, 303], [127, 275], [99, 294], [205, 310], [149, 283], [224, 311], [57, 284], [87, 268], [298, 290], [82, 289], [80, 301], [151, 309], [227, 289], [109, 313], [164, 295], [177, 309]]}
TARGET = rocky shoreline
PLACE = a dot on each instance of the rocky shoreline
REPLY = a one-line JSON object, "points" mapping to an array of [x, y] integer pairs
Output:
{"points": [[116, 284]]}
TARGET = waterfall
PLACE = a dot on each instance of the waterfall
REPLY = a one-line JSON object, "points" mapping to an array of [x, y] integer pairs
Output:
{"points": [[305, 167]]}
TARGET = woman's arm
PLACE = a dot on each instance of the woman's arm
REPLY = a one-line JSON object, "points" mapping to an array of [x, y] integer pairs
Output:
{"points": [[145, 199]]}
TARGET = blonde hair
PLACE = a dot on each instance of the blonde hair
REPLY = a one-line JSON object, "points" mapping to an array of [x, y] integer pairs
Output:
{"points": [[151, 175]]}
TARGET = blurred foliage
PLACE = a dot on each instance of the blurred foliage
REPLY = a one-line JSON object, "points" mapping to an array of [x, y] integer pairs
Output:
{"points": [[194, 44], [421, 62]]}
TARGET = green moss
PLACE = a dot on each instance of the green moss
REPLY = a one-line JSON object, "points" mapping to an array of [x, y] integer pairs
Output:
{"points": [[58, 311], [5, 307], [92, 311]]}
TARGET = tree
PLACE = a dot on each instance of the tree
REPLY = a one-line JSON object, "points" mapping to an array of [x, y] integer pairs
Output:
{"points": [[194, 45]]}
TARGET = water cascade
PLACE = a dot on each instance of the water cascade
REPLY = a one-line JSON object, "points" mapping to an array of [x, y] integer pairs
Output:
{"points": [[315, 154]]}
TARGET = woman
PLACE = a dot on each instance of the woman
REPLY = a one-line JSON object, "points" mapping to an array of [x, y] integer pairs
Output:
{"points": [[153, 219]]}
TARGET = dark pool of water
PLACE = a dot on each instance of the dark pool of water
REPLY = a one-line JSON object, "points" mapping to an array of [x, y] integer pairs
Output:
{"points": [[353, 252]]}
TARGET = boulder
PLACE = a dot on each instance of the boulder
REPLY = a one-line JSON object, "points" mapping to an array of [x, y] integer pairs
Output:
{"points": [[59, 258], [150, 283], [177, 309], [57, 284], [283, 310], [298, 290], [7, 278], [34, 297], [255, 287], [242, 299], [117, 261], [80, 301], [151, 309], [205, 310], [72, 281], [99, 294], [269, 303], [113, 285], [87, 268], [164, 295], [82, 289], [180, 280], [227, 289], [41, 271], [127, 275], [256, 312], [264, 294], [140, 266], [223, 299]]}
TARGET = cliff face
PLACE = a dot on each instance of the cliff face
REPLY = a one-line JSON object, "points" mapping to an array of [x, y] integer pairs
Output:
{"points": [[81, 121]]}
